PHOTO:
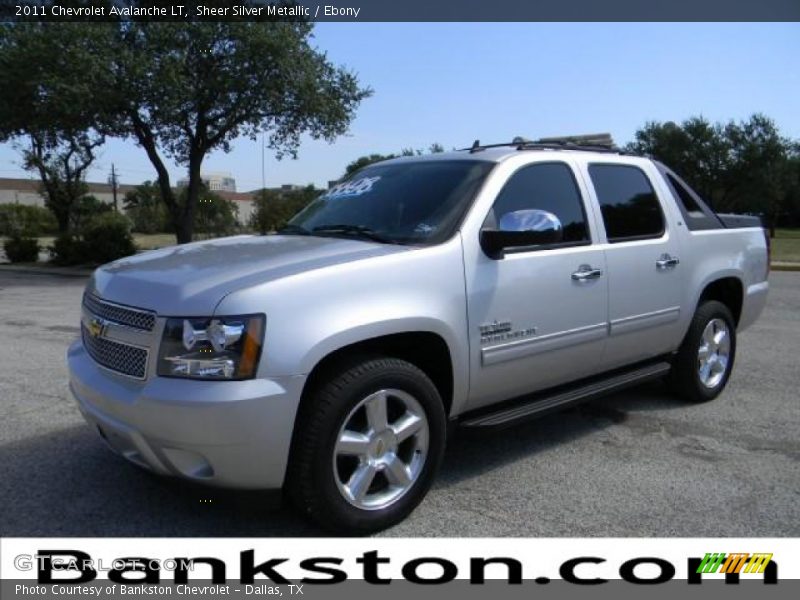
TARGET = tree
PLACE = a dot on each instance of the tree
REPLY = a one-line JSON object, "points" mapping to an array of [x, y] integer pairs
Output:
{"points": [[364, 161], [145, 209], [274, 208], [215, 215], [759, 170], [86, 208], [148, 213], [369, 159], [179, 89], [696, 150], [745, 166], [48, 106], [187, 88]]}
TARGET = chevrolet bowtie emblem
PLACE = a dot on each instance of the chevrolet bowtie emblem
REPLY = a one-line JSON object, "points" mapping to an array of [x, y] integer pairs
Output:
{"points": [[96, 327]]}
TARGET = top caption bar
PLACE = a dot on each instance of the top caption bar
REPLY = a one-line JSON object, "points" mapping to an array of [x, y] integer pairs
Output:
{"points": [[357, 11]]}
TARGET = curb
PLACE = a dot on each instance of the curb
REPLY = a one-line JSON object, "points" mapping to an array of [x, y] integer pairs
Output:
{"points": [[47, 271], [785, 267]]}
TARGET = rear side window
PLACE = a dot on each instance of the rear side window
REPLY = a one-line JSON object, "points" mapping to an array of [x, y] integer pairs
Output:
{"points": [[684, 197], [628, 202], [550, 187]]}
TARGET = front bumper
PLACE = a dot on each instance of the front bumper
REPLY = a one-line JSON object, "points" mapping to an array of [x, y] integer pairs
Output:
{"points": [[226, 433]]}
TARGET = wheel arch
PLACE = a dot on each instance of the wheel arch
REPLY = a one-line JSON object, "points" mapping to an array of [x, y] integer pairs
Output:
{"points": [[728, 290], [427, 350]]}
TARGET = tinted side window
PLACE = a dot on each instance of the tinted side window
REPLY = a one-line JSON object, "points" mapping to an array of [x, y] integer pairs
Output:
{"points": [[627, 201], [684, 197], [550, 187]]}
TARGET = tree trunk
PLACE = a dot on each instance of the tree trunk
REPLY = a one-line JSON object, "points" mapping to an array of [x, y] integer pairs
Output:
{"points": [[184, 223], [62, 220], [183, 230], [147, 140]]}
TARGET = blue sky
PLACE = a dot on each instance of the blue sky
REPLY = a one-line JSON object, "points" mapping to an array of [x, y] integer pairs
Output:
{"points": [[454, 82]]}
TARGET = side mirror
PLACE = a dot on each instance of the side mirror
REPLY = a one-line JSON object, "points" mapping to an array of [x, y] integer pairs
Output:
{"points": [[521, 228]]}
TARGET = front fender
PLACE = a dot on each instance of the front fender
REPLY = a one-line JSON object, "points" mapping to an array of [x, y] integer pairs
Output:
{"points": [[313, 314]]}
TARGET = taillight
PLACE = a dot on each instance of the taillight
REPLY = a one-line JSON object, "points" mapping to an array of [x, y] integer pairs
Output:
{"points": [[769, 248]]}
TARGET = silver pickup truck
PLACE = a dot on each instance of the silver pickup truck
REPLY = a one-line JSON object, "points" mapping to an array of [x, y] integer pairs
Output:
{"points": [[474, 288]]}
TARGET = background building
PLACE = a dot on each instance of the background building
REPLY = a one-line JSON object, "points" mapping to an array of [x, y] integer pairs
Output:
{"points": [[26, 191], [216, 182]]}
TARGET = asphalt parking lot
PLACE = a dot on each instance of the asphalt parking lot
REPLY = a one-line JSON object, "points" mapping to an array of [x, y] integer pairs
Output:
{"points": [[635, 464]]}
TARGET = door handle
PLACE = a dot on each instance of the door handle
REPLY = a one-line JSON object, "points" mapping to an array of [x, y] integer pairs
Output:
{"points": [[586, 272], [667, 262]]}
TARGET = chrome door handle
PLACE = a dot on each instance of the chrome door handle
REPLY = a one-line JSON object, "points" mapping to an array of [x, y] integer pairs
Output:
{"points": [[667, 262], [586, 272]]}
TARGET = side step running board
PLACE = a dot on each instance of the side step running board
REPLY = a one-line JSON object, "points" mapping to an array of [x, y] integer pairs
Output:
{"points": [[539, 404]]}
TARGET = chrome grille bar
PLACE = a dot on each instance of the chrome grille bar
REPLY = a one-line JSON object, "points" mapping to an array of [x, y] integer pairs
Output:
{"points": [[136, 318]]}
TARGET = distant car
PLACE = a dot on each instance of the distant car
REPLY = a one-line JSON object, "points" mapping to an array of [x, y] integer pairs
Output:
{"points": [[479, 287]]}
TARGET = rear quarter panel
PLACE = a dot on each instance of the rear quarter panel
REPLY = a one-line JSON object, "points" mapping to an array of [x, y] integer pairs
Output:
{"points": [[717, 253]]}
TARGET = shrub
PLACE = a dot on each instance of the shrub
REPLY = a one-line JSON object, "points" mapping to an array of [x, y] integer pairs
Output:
{"points": [[27, 221], [22, 249], [105, 237], [146, 210], [85, 210], [67, 250], [214, 216], [108, 237]]}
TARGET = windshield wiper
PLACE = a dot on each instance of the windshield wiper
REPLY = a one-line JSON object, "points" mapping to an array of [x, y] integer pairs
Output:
{"points": [[291, 228], [354, 230]]}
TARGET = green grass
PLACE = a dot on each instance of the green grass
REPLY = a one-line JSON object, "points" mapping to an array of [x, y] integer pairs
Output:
{"points": [[786, 245]]}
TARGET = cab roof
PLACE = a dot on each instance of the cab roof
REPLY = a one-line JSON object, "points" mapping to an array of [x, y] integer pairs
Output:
{"points": [[592, 144]]}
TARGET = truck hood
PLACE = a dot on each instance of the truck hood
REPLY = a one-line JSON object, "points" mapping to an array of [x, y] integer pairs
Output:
{"points": [[191, 279]]}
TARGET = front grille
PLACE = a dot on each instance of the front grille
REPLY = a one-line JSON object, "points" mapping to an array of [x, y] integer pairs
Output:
{"points": [[132, 317], [122, 358]]}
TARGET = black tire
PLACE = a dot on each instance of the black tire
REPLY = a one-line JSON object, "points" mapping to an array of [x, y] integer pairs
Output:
{"points": [[311, 480], [685, 378]]}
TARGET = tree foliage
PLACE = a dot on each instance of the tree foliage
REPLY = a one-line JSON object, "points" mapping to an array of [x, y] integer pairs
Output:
{"points": [[179, 90], [745, 166], [25, 220], [145, 209], [189, 88], [47, 106], [215, 216], [148, 214], [274, 208], [369, 159]]}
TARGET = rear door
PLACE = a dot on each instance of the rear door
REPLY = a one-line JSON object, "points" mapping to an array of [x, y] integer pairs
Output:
{"points": [[645, 277]]}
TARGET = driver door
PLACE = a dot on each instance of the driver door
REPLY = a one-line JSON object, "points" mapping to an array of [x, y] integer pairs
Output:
{"points": [[537, 314]]}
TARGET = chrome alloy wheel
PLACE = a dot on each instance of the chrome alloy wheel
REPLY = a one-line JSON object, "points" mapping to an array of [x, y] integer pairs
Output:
{"points": [[713, 355], [381, 449]]}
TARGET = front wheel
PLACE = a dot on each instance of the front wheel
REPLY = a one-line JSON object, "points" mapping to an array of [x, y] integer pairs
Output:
{"points": [[368, 444], [704, 361]]}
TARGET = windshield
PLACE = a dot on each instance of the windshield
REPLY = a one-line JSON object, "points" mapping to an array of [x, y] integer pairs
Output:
{"points": [[408, 202]]}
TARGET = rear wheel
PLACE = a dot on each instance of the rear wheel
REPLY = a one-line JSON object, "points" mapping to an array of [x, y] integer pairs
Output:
{"points": [[368, 444], [705, 359]]}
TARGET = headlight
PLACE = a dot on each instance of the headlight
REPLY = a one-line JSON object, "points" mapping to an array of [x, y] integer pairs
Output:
{"points": [[218, 348]]}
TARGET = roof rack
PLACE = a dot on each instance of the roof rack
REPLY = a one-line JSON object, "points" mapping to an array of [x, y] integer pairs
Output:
{"points": [[594, 142]]}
